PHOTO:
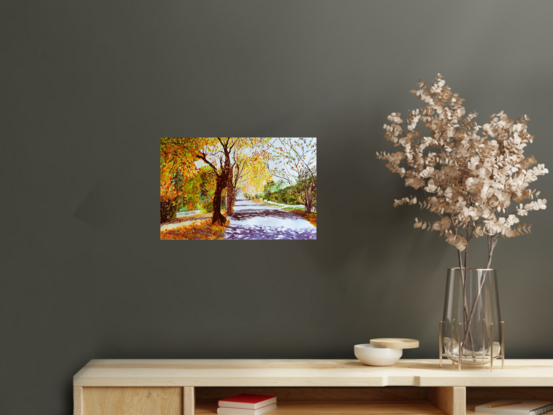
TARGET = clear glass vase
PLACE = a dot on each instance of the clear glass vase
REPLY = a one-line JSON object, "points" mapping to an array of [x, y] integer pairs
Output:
{"points": [[471, 331]]}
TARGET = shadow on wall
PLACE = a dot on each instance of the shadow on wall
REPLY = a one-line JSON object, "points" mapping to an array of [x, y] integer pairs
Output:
{"points": [[358, 215]]}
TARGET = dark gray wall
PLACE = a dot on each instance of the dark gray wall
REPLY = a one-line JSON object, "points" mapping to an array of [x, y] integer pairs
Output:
{"points": [[89, 87]]}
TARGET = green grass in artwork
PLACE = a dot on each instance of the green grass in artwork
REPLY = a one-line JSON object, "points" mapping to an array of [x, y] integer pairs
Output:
{"points": [[291, 209]]}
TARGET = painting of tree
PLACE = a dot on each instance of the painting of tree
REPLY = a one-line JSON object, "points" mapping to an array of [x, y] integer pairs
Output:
{"points": [[261, 188]]}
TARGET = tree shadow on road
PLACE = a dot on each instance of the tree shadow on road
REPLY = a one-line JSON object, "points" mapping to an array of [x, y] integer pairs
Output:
{"points": [[269, 233], [269, 213]]}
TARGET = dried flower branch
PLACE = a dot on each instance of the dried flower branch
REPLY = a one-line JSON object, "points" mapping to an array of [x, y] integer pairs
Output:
{"points": [[475, 178]]}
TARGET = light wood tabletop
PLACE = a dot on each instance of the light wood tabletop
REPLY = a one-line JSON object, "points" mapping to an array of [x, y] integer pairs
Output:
{"points": [[306, 373]]}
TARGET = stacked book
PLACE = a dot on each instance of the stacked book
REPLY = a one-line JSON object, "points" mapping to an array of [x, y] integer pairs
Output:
{"points": [[515, 407], [247, 404]]}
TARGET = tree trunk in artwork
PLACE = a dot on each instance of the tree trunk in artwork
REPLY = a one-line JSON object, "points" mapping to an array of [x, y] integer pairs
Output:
{"points": [[308, 197], [231, 196], [217, 215], [308, 203]]}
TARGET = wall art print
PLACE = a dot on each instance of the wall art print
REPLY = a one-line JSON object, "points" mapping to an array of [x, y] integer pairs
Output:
{"points": [[238, 188]]}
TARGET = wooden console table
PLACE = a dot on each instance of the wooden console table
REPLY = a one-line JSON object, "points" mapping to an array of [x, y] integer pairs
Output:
{"points": [[338, 387]]}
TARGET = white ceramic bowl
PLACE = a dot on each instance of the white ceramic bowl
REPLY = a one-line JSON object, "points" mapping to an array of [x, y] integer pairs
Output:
{"points": [[376, 356]]}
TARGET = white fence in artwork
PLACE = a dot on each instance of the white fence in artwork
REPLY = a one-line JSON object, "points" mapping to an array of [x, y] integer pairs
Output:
{"points": [[188, 213]]}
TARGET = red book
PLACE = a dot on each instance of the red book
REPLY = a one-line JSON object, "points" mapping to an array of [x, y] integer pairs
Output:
{"points": [[247, 401]]}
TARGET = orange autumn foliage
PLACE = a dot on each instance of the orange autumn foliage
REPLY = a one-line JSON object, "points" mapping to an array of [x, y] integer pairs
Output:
{"points": [[176, 167], [199, 230]]}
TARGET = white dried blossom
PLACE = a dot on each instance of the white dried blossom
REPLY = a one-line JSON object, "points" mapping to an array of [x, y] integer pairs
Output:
{"points": [[474, 177]]}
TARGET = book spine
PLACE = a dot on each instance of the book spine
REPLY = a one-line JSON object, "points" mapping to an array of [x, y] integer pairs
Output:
{"points": [[542, 410]]}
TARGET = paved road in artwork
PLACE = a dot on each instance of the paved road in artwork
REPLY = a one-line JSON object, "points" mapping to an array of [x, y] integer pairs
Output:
{"points": [[253, 221]]}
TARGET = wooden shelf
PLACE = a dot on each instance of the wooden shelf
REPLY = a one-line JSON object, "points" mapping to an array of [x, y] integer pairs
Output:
{"points": [[393, 400], [333, 408], [320, 387]]}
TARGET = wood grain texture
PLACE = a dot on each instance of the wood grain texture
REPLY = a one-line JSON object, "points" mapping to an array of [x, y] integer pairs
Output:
{"points": [[482, 395], [395, 343], [470, 409], [132, 401], [297, 395], [77, 400], [189, 400], [302, 373], [330, 408], [450, 400]]}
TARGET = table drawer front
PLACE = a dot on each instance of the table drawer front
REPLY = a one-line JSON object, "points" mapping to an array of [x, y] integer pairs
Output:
{"points": [[132, 401]]}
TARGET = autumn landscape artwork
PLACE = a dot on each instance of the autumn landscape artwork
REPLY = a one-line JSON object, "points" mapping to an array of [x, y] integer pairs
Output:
{"points": [[238, 188]]}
